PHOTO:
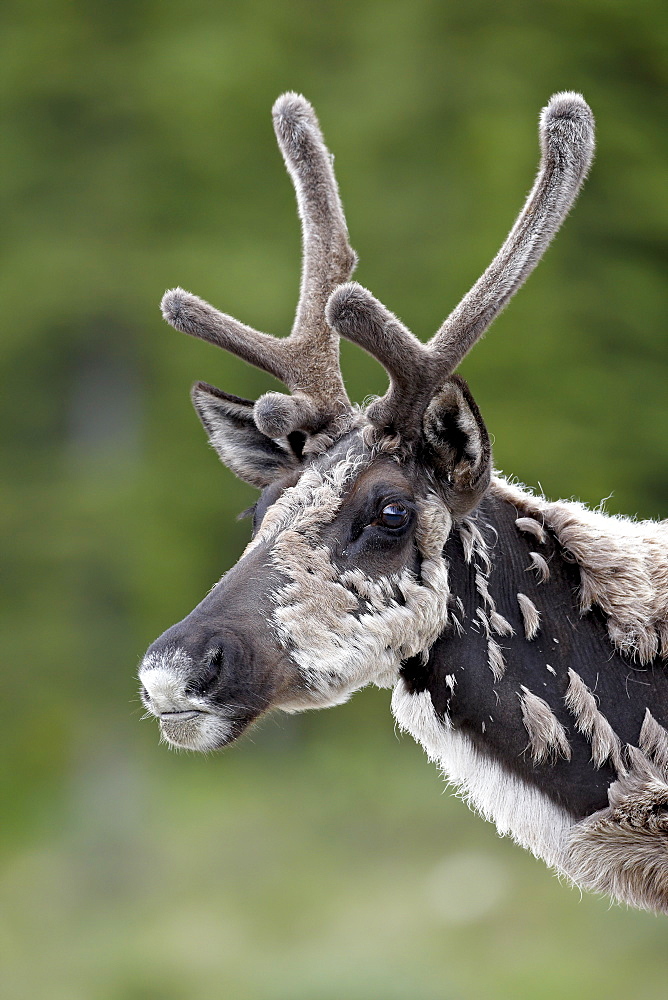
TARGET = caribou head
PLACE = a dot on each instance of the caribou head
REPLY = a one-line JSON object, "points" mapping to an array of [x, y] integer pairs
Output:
{"points": [[386, 552]]}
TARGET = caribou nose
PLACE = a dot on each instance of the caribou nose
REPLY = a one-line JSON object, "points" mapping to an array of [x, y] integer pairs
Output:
{"points": [[180, 667], [205, 678]]}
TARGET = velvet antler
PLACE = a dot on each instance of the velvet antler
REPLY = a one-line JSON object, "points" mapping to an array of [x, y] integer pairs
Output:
{"points": [[308, 360], [416, 370]]}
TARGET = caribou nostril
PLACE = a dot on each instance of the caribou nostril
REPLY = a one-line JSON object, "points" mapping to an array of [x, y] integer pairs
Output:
{"points": [[208, 674]]}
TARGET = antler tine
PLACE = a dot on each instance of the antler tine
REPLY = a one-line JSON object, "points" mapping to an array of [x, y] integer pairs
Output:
{"points": [[308, 360], [328, 258], [311, 352], [567, 149], [190, 314], [357, 315], [417, 370]]}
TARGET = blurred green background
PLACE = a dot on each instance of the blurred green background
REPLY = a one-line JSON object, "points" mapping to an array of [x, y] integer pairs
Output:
{"points": [[320, 858]]}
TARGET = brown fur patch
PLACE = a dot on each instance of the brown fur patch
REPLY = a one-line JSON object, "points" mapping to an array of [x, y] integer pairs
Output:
{"points": [[623, 850]]}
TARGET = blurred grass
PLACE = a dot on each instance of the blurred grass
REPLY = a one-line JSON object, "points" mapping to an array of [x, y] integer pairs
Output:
{"points": [[319, 857]]}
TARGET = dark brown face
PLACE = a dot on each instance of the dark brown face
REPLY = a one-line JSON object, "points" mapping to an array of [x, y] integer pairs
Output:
{"points": [[343, 579]]}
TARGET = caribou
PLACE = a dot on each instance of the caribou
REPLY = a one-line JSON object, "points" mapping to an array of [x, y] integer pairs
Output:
{"points": [[525, 640]]}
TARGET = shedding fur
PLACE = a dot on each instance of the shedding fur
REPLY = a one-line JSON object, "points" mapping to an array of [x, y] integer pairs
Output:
{"points": [[590, 721], [466, 537], [623, 850], [477, 551], [312, 502], [623, 566], [531, 527], [499, 624], [495, 659], [547, 737], [530, 616], [475, 546], [653, 741], [539, 566]]}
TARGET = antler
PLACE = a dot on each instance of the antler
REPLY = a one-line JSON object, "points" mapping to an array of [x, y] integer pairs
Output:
{"points": [[308, 360], [417, 370]]}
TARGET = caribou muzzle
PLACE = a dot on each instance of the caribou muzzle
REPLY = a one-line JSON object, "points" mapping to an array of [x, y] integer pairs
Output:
{"points": [[212, 674]]}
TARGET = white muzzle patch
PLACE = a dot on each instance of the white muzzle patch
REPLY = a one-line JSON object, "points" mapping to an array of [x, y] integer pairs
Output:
{"points": [[186, 721]]}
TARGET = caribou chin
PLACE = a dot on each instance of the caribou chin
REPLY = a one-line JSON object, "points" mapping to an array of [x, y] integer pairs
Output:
{"points": [[194, 730], [385, 551]]}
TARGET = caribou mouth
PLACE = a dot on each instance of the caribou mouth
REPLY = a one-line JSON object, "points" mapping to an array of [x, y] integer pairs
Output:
{"points": [[186, 721], [183, 716]]}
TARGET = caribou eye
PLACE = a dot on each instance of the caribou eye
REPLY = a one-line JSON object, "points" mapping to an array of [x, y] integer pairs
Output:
{"points": [[394, 515]]}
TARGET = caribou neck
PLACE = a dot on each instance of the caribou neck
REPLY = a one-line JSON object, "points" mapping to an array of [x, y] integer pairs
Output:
{"points": [[517, 633]]}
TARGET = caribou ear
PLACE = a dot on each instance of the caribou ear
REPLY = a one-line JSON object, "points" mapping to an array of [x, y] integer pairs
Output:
{"points": [[245, 450], [458, 446]]}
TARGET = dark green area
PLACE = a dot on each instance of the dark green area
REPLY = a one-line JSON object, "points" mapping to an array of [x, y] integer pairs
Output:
{"points": [[317, 859]]}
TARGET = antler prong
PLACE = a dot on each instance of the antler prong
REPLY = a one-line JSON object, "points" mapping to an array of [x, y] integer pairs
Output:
{"points": [[357, 315], [328, 257], [190, 314], [416, 370], [308, 360], [566, 132]]}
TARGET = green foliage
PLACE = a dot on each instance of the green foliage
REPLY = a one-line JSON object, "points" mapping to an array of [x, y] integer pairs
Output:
{"points": [[137, 153]]}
